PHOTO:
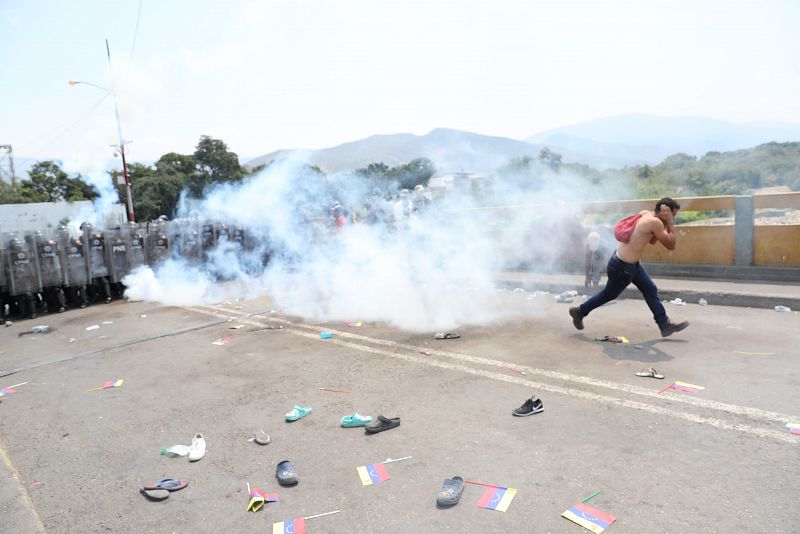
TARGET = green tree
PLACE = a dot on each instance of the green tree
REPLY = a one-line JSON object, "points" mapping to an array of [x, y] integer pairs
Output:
{"points": [[415, 172], [214, 164], [550, 159], [156, 194], [47, 182]]}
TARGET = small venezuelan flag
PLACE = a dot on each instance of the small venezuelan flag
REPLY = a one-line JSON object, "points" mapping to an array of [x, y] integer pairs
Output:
{"points": [[293, 526], [497, 498], [683, 386], [794, 428], [589, 518], [7, 391], [372, 474]]}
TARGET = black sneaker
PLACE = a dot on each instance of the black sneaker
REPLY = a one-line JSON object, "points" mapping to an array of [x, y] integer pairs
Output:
{"points": [[669, 328], [531, 406], [577, 317]]}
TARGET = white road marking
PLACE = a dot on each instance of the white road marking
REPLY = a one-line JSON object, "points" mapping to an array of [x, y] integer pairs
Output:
{"points": [[295, 329]]}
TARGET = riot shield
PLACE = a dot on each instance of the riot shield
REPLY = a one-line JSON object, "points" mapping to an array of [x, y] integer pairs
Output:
{"points": [[96, 260], [74, 254], [117, 258], [136, 246], [208, 236], [158, 244], [21, 273], [49, 255]]}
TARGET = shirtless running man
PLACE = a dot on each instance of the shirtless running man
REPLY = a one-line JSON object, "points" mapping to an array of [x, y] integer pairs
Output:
{"points": [[624, 267]]}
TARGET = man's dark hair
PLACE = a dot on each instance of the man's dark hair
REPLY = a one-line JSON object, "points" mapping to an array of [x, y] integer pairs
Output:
{"points": [[668, 202]]}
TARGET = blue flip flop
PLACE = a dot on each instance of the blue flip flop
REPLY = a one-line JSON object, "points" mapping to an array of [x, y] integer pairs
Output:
{"points": [[355, 420], [298, 412], [286, 473]]}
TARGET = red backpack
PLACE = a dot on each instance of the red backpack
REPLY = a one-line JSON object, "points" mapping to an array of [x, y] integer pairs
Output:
{"points": [[624, 228]]}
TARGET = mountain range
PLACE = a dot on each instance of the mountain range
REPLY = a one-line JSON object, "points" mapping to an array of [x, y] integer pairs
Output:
{"points": [[610, 142]]}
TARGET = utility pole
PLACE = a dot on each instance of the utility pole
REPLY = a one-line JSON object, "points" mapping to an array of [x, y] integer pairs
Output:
{"points": [[131, 218], [7, 170]]}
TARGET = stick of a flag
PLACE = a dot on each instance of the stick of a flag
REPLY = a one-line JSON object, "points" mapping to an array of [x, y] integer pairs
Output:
{"points": [[389, 460], [17, 385], [320, 515], [595, 494], [482, 484]]}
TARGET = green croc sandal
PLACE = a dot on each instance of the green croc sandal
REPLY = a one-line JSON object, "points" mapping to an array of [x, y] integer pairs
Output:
{"points": [[298, 412], [354, 420]]}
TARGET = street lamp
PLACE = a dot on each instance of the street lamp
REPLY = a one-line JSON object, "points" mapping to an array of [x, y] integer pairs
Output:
{"points": [[131, 218]]}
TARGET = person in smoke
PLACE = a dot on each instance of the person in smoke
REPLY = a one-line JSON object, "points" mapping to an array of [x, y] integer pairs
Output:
{"points": [[624, 267], [338, 216], [376, 208], [403, 210], [420, 198], [594, 260]]}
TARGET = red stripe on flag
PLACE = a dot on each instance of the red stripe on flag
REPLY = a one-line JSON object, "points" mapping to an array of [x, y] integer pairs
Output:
{"points": [[299, 526], [608, 518], [381, 470], [487, 496]]}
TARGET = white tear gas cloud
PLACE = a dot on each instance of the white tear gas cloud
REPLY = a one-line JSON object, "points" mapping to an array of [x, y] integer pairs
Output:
{"points": [[432, 271]]}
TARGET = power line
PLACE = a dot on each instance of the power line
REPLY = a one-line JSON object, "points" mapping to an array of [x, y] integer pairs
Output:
{"points": [[70, 126], [135, 36]]}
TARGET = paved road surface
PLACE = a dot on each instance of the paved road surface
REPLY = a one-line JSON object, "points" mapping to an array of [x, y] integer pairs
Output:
{"points": [[717, 461]]}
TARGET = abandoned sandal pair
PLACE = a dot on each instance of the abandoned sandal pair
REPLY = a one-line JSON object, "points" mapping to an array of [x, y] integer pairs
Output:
{"points": [[371, 427]]}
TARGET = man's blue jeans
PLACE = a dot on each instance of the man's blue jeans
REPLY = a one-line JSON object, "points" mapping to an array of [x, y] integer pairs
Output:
{"points": [[620, 275]]}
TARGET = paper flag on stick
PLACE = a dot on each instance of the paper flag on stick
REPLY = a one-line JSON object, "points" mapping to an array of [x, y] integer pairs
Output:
{"points": [[794, 428], [258, 498], [7, 391], [589, 518], [221, 341], [372, 474], [108, 385], [297, 525], [293, 526], [497, 498]]}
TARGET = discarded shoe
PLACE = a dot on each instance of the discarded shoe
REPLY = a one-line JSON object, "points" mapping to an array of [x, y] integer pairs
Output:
{"points": [[154, 495], [198, 448], [176, 450], [650, 373], [168, 484], [381, 424], [355, 420], [446, 335], [452, 488], [577, 317], [669, 328], [298, 412], [286, 474], [529, 407], [261, 437]]}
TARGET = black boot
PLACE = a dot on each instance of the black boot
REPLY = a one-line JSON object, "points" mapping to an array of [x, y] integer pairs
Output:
{"points": [[577, 317], [669, 328]]}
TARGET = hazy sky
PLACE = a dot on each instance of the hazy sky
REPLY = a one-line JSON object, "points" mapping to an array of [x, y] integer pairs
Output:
{"points": [[264, 75]]}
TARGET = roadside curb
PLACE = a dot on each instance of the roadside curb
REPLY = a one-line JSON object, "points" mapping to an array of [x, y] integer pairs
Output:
{"points": [[714, 298]]}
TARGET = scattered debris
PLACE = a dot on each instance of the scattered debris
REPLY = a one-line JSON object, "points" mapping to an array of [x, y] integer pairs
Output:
{"points": [[332, 390], [589, 518], [258, 498], [359, 323], [221, 341], [614, 339], [235, 327], [354, 420], [93, 327], [72, 340], [446, 335], [535, 294], [531, 406], [382, 423], [425, 352], [512, 368], [176, 450], [781, 308], [683, 386], [678, 301], [271, 327], [754, 353], [108, 322], [260, 437], [38, 329], [650, 373], [498, 498], [143, 315], [108, 385], [451, 491], [325, 335], [794, 428], [8, 323], [37, 484], [702, 302], [519, 290], [297, 525], [637, 347], [566, 297]]}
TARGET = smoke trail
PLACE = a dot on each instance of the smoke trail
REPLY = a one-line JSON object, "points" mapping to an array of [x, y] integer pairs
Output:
{"points": [[432, 271]]}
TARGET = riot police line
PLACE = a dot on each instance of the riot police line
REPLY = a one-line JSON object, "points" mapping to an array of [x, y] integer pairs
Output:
{"points": [[54, 271]]}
